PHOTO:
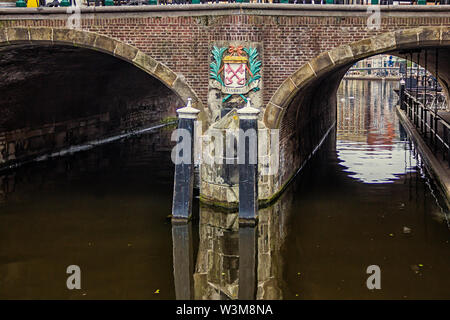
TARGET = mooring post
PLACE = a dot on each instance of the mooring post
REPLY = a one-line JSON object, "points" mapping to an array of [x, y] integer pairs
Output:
{"points": [[184, 164], [402, 95], [248, 164]]}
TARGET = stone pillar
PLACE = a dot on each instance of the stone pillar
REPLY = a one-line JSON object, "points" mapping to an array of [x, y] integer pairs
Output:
{"points": [[184, 164], [248, 164], [183, 261]]}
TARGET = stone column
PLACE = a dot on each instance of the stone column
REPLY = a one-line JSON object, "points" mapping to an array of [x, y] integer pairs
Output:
{"points": [[248, 164], [184, 164]]}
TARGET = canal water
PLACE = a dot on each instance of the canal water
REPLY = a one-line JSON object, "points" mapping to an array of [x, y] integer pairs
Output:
{"points": [[364, 199]]}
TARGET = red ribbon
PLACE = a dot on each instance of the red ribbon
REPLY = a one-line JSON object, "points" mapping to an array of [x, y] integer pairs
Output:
{"points": [[236, 50]]}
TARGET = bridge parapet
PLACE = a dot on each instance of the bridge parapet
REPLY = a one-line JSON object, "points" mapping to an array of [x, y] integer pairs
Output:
{"points": [[180, 36], [272, 9]]}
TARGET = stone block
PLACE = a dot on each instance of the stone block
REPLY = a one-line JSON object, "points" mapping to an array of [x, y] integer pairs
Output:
{"points": [[200, 283], [362, 48], [41, 34], [445, 36], [322, 63], [341, 55], [384, 42], [64, 36], [105, 44], [183, 90], [303, 75], [18, 34], [264, 191], [272, 115], [270, 290], [264, 266], [232, 194], [125, 51], [165, 74], [429, 35], [3, 39], [145, 62], [81, 38], [407, 38], [213, 269]]}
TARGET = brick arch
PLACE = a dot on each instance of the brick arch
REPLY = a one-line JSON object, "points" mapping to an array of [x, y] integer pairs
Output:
{"points": [[116, 48], [346, 55]]}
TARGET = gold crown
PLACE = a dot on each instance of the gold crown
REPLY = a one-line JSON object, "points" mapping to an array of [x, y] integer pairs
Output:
{"points": [[235, 59]]}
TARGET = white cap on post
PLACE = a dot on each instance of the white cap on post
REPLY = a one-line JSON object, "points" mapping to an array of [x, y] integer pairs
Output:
{"points": [[188, 112], [248, 112]]}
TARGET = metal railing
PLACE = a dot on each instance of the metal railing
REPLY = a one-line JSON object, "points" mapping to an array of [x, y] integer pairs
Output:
{"points": [[323, 2], [56, 3], [433, 128]]}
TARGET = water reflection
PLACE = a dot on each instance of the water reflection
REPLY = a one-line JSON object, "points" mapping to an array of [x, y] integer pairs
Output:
{"points": [[232, 262], [363, 199], [104, 210], [368, 140], [247, 263], [341, 224], [183, 261]]}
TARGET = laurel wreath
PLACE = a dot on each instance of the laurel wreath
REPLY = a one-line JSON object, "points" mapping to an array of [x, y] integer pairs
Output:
{"points": [[215, 66], [254, 64], [253, 61]]}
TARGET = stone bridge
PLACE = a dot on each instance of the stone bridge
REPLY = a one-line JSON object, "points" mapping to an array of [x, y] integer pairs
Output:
{"points": [[304, 51]]}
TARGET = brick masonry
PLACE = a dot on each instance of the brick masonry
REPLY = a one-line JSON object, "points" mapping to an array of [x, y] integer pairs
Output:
{"points": [[183, 42]]}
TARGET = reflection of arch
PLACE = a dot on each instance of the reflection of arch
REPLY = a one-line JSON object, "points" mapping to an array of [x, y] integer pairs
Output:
{"points": [[116, 48], [342, 57]]}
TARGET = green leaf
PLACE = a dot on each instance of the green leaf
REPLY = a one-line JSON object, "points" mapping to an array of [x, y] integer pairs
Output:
{"points": [[215, 66], [254, 64]]}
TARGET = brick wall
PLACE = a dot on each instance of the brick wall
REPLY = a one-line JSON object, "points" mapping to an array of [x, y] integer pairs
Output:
{"points": [[183, 43]]}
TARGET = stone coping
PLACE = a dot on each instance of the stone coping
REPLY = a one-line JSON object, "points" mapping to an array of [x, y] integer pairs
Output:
{"points": [[240, 8], [435, 167]]}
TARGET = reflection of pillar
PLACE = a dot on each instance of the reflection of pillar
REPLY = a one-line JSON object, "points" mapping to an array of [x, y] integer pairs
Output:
{"points": [[184, 166], [3, 188], [183, 264], [247, 263]]}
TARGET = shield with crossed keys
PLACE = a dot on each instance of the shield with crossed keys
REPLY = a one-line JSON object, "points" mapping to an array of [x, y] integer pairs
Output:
{"points": [[234, 71]]}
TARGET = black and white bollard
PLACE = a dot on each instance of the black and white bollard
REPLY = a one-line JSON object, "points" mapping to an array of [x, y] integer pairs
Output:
{"points": [[402, 95], [248, 164], [184, 164]]}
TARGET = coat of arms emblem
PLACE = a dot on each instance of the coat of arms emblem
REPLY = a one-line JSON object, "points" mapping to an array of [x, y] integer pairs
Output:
{"points": [[235, 70]]}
